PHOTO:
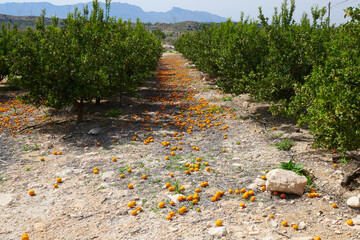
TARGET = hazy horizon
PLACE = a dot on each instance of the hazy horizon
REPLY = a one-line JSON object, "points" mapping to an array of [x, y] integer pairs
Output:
{"points": [[227, 8]]}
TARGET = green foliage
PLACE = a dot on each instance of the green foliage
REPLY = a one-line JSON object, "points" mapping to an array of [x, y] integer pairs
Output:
{"points": [[308, 70], [7, 37], [290, 166], [285, 144], [91, 56], [113, 112]]}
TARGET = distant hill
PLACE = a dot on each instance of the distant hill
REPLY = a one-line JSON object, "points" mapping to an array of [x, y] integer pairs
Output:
{"points": [[118, 10]]}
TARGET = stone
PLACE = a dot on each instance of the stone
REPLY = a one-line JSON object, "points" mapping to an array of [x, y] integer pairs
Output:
{"points": [[353, 202], [40, 226], [107, 176], [217, 231], [5, 199], [301, 225], [94, 131], [246, 104], [356, 220], [258, 182], [302, 238], [279, 180], [174, 198]]}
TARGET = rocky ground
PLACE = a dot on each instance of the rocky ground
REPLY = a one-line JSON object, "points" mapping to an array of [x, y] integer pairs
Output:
{"points": [[233, 134]]}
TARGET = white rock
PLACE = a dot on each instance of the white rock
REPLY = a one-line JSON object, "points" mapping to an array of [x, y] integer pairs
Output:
{"points": [[356, 220], [174, 198], [257, 184], [353, 202], [107, 176], [302, 238], [280, 180], [5, 199], [94, 131], [217, 231], [301, 226], [246, 104]]}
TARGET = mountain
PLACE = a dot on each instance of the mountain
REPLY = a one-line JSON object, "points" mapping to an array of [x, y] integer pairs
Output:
{"points": [[118, 10]]}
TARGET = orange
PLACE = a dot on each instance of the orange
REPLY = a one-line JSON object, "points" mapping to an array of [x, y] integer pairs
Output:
{"points": [[284, 223], [167, 158], [251, 193], [172, 154], [263, 188], [114, 159], [207, 169], [243, 190], [237, 191], [161, 205], [129, 170], [197, 190], [42, 159], [242, 205], [190, 197], [230, 191], [130, 186], [245, 195], [31, 192], [181, 211], [131, 204], [99, 144], [350, 222], [219, 223], [168, 217], [184, 209], [59, 180], [198, 209], [55, 152], [56, 185], [275, 193], [144, 176], [195, 201], [171, 175], [180, 198], [335, 165], [122, 175], [134, 212], [25, 237], [282, 195], [198, 159], [271, 216], [182, 188], [187, 172], [295, 226], [334, 205], [317, 238], [253, 199], [172, 203], [96, 171], [213, 199], [196, 196], [59, 153], [224, 150], [206, 164], [171, 189], [167, 185], [172, 214], [263, 177]]}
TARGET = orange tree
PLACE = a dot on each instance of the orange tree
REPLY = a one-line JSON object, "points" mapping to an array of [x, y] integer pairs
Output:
{"points": [[7, 36], [91, 56]]}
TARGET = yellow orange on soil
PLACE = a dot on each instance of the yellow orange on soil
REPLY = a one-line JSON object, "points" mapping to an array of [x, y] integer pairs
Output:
{"points": [[25, 237], [219, 223], [31, 192]]}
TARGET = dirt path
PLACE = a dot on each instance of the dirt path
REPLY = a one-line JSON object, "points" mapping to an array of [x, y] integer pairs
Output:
{"points": [[192, 115]]}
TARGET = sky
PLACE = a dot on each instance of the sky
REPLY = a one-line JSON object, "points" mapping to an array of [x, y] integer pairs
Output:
{"points": [[227, 8]]}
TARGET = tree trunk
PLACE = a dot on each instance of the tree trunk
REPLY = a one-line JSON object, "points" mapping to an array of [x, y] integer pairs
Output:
{"points": [[80, 109]]}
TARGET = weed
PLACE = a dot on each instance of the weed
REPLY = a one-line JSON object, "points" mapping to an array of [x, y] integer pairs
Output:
{"points": [[26, 148], [285, 144], [28, 169], [115, 112], [226, 99], [35, 147]]}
